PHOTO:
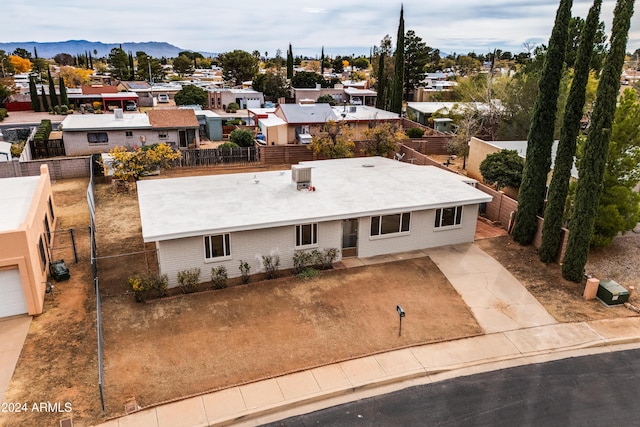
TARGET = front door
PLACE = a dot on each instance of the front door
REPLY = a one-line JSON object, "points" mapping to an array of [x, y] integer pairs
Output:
{"points": [[349, 238]]}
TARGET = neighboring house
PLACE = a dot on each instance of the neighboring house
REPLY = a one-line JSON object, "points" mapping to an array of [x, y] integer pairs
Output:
{"points": [[422, 111], [479, 150], [177, 127], [310, 95], [99, 133], [304, 119], [108, 97], [27, 220], [364, 207], [219, 99], [5, 150], [357, 96], [362, 117]]}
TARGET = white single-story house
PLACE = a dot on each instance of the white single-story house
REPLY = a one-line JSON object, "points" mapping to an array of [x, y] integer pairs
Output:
{"points": [[361, 206]]}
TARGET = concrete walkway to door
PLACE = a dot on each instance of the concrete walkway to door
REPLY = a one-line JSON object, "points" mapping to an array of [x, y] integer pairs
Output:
{"points": [[13, 332]]}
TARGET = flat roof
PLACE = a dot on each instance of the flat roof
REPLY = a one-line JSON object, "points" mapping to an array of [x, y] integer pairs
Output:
{"points": [[107, 121], [16, 195], [364, 112], [345, 188]]}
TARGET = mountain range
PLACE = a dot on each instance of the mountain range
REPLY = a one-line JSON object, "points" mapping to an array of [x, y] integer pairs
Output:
{"points": [[97, 49]]}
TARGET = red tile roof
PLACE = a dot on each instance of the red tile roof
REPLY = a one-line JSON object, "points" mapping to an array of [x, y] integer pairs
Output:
{"points": [[172, 118]]}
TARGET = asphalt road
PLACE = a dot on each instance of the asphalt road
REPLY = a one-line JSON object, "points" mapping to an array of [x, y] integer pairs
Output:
{"points": [[600, 390]]}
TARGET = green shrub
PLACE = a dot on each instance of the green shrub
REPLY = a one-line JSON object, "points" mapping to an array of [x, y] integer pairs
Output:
{"points": [[232, 107], [234, 122], [242, 137], [307, 273], [16, 149], [219, 277], [148, 286], [271, 265], [3, 113], [245, 268], [188, 280], [301, 260], [415, 132], [228, 144]]}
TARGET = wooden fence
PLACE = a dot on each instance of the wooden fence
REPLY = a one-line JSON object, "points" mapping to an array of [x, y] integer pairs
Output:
{"points": [[219, 156]]}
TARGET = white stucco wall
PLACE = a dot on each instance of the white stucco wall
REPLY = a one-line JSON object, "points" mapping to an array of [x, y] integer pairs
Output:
{"points": [[181, 254], [76, 143]]}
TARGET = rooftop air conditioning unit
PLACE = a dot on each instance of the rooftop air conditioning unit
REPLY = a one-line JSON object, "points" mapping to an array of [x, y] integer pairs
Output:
{"points": [[118, 114], [304, 138], [301, 176], [352, 109]]}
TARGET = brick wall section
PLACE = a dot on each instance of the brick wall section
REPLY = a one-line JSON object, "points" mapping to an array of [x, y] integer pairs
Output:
{"points": [[436, 145], [501, 208], [59, 168], [413, 156]]}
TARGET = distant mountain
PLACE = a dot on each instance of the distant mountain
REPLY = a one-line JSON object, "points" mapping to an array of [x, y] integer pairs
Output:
{"points": [[78, 47]]}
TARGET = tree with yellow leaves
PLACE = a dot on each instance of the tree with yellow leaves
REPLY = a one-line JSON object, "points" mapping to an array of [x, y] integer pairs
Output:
{"points": [[335, 141], [21, 65], [127, 165], [382, 140], [75, 77]]}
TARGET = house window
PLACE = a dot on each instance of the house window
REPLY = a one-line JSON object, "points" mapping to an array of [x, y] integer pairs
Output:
{"points": [[306, 235], [97, 137], [128, 133], [390, 224], [217, 246], [47, 229], [43, 254], [163, 135], [51, 209], [448, 217]]}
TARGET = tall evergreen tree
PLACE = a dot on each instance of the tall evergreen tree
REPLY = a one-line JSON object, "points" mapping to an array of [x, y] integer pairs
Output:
{"points": [[131, 68], [397, 85], [381, 99], [322, 61], [290, 62], [33, 93], [52, 90], [540, 140], [45, 101], [559, 187], [64, 99], [593, 163]]}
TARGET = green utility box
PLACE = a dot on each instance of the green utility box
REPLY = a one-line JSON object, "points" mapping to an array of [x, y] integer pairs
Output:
{"points": [[612, 293]]}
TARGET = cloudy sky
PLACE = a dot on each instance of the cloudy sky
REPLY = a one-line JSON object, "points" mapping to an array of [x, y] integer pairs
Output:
{"points": [[343, 27]]}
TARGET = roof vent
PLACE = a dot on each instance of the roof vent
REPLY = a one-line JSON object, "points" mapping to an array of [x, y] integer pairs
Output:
{"points": [[119, 115], [301, 176]]}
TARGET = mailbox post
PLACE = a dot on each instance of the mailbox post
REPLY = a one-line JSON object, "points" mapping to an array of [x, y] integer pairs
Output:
{"points": [[400, 315]]}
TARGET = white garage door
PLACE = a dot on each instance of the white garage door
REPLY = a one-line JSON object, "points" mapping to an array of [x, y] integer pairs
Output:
{"points": [[11, 295]]}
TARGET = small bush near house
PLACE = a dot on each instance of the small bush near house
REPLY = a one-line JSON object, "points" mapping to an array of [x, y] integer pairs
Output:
{"points": [[245, 268], [271, 265], [414, 133], [234, 122], [145, 287], [219, 277], [188, 280], [242, 137], [326, 258], [16, 149], [301, 260], [307, 273], [232, 107], [228, 145], [3, 113]]}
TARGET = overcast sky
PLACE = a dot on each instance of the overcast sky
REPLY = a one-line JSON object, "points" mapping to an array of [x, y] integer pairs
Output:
{"points": [[343, 27]]}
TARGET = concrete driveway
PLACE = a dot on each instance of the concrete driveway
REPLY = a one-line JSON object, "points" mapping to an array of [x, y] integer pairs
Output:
{"points": [[13, 332]]}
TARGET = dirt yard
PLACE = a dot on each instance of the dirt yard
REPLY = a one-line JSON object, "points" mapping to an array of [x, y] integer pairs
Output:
{"points": [[189, 344]]}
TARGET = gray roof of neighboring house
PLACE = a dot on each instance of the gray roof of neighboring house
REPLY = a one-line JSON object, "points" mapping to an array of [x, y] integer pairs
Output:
{"points": [[345, 188], [307, 113]]}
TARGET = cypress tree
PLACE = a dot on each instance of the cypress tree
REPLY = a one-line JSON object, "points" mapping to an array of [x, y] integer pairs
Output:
{"points": [[131, 68], [540, 139], [52, 90], [64, 99], [559, 187], [381, 99], [290, 63], [397, 85], [45, 101], [593, 163], [322, 61], [33, 93]]}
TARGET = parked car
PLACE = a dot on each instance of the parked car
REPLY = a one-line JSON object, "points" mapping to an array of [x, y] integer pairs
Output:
{"points": [[131, 106], [163, 98], [59, 270]]}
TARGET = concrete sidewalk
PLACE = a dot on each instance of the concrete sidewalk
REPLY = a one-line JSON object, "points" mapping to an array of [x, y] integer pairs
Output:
{"points": [[13, 332], [518, 331]]}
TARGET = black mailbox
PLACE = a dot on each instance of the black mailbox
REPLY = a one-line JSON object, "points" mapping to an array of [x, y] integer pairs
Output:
{"points": [[400, 311]]}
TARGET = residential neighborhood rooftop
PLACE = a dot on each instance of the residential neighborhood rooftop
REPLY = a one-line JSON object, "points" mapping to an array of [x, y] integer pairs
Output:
{"points": [[17, 195], [81, 122], [344, 188], [172, 118], [364, 112], [521, 148], [307, 113]]}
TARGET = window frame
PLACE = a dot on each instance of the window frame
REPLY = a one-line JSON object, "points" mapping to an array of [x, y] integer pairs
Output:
{"points": [[209, 247], [43, 254], [128, 133], [439, 218], [163, 134], [404, 225], [300, 234], [100, 137]]}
